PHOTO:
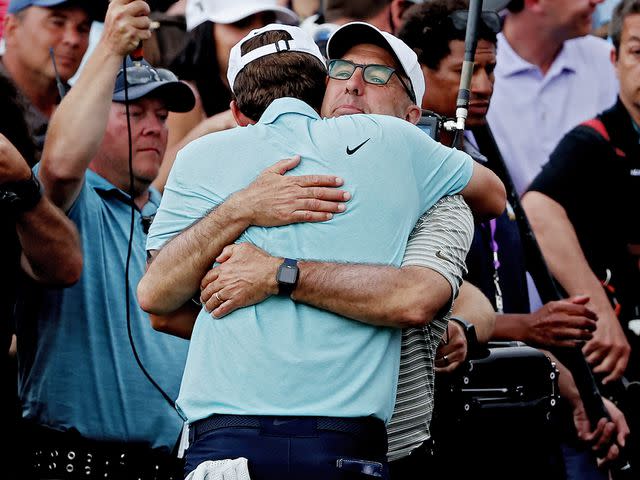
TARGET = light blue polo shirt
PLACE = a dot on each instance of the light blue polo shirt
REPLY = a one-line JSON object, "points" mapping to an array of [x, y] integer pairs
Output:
{"points": [[285, 358], [77, 368]]}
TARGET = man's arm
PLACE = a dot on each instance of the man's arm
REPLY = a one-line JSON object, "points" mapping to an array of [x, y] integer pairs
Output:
{"points": [[51, 251], [562, 323], [272, 199], [380, 295], [473, 307], [179, 323], [608, 350], [485, 193], [79, 123]]}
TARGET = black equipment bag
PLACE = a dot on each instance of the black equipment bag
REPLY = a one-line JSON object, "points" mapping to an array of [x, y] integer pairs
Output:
{"points": [[499, 406], [505, 380]]}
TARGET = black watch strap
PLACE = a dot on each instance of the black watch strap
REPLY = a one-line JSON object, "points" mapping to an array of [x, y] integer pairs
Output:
{"points": [[287, 276], [20, 196], [469, 330]]}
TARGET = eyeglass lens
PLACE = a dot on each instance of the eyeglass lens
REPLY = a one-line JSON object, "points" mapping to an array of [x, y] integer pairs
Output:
{"points": [[374, 74]]}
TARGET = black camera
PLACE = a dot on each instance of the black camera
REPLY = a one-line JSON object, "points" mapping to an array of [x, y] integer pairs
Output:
{"points": [[431, 123]]}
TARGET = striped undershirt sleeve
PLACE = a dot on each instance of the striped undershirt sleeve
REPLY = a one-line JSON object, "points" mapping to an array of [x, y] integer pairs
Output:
{"points": [[440, 241]]}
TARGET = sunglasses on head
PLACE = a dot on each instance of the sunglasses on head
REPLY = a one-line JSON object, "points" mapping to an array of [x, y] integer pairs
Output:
{"points": [[490, 19], [374, 74], [141, 74]]}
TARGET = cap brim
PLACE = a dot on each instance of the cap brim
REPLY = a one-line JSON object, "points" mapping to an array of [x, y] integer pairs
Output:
{"points": [[177, 96], [95, 9], [232, 15], [354, 34]]}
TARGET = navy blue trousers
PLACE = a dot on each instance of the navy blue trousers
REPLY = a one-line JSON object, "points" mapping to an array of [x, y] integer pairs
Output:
{"points": [[292, 448]]}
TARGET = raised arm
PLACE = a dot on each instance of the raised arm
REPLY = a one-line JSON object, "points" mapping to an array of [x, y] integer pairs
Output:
{"points": [[609, 349], [79, 123], [51, 251]]}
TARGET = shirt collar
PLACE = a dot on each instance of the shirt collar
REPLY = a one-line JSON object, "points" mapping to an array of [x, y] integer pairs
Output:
{"points": [[637, 128], [287, 105], [511, 63], [105, 188]]}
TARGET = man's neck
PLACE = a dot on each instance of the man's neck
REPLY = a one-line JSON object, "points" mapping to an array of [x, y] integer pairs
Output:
{"points": [[141, 194], [532, 40], [142, 199], [633, 109], [41, 91]]}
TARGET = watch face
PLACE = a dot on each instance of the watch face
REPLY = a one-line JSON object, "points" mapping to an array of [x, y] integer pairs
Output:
{"points": [[287, 275]]}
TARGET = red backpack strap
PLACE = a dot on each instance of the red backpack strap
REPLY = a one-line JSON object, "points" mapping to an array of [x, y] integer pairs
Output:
{"points": [[597, 125]]}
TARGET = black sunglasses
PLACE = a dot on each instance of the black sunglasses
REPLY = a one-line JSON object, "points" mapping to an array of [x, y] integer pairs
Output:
{"points": [[490, 19], [374, 74]]}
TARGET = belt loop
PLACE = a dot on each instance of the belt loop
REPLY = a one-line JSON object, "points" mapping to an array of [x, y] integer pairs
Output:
{"points": [[192, 431]]}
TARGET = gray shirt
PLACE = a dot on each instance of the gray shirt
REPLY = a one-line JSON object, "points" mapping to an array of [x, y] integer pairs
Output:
{"points": [[440, 241]]}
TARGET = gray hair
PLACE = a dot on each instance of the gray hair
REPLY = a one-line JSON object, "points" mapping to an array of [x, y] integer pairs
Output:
{"points": [[622, 11]]}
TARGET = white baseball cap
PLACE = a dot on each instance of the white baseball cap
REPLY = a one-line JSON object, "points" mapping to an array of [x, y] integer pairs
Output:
{"points": [[231, 11], [356, 33], [300, 41]]}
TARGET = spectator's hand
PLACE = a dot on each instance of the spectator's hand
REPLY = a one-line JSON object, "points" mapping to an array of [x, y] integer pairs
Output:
{"points": [[13, 166], [563, 323], [608, 434], [608, 351], [246, 276], [277, 199], [126, 24], [451, 354]]}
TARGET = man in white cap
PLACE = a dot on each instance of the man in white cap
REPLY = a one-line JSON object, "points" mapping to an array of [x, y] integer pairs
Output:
{"points": [[329, 386]]}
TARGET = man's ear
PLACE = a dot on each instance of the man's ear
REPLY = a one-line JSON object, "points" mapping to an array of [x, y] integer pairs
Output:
{"points": [[614, 60], [398, 7], [241, 119], [413, 113], [11, 23]]}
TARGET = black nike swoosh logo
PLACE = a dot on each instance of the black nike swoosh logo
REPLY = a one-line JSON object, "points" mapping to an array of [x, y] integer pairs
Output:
{"points": [[354, 150]]}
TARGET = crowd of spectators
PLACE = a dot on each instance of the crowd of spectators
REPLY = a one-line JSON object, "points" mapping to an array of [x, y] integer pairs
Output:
{"points": [[226, 238]]}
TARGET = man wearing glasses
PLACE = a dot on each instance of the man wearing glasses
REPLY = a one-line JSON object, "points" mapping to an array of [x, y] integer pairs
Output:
{"points": [[315, 368], [88, 405]]}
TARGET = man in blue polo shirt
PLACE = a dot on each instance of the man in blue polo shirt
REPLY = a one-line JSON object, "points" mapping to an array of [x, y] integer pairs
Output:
{"points": [[96, 382], [340, 372]]}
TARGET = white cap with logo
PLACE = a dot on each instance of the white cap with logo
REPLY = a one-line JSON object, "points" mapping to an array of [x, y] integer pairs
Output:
{"points": [[357, 33], [231, 11], [300, 41]]}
